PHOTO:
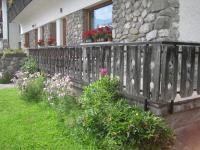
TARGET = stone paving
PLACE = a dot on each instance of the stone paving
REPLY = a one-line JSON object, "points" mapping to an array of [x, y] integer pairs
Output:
{"points": [[3, 86], [187, 129]]}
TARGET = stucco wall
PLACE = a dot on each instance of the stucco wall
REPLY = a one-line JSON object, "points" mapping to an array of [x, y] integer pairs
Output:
{"points": [[14, 35], [189, 26]]}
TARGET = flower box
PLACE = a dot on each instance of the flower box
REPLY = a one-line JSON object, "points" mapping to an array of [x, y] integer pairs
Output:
{"points": [[51, 41], [40, 42], [102, 34]]}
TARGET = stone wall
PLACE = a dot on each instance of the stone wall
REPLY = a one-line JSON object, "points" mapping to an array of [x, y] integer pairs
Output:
{"points": [[46, 33], [145, 20], [75, 27], [11, 63], [32, 39]]}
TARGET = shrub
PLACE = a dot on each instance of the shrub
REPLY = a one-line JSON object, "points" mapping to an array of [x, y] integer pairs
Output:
{"points": [[30, 85], [119, 125], [102, 91], [5, 78], [13, 51], [57, 87], [29, 65]]}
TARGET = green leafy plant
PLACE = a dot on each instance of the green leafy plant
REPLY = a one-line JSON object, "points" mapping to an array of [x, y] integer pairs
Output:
{"points": [[29, 65], [5, 78], [118, 125], [7, 52], [30, 85], [34, 89]]}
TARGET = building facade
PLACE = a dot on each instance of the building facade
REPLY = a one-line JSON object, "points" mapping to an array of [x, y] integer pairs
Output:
{"points": [[3, 25], [9, 32], [130, 20]]}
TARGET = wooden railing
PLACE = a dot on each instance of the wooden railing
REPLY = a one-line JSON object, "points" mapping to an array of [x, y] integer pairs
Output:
{"points": [[158, 71]]}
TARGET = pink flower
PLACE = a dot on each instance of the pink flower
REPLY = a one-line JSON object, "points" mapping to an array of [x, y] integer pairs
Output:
{"points": [[103, 71]]}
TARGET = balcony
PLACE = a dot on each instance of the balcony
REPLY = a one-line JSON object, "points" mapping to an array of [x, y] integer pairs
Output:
{"points": [[16, 8], [166, 74]]}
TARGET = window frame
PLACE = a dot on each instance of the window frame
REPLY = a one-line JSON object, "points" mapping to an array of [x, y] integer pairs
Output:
{"points": [[27, 39], [92, 9]]}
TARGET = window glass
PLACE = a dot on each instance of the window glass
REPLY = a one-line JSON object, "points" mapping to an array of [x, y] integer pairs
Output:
{"points": [[102, 16]]}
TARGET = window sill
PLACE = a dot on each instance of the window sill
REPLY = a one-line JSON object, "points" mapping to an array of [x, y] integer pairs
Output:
{"points": [[96, 43]]}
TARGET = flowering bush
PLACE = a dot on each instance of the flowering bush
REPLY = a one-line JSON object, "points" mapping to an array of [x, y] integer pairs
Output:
{"points": [[51, 41], [118, 125], [5, 77], [29, 65], [30, 85], [98, 35], [103, 72], [57, 87], [40, 42]]}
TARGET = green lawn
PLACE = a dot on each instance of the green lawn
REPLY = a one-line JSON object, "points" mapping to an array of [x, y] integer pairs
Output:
{"points": [[25, 125]]}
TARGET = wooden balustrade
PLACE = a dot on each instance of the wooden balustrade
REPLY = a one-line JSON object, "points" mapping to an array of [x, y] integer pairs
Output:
{"points": [[157, 71]]}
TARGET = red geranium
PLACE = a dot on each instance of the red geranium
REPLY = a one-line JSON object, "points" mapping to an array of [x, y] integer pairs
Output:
{"points": [[40, 42], [99, 34], [51, 41]]}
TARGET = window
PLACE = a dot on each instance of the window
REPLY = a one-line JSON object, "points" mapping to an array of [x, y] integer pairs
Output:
{"points": [[53, 30], [101, 16], [26, 42]]}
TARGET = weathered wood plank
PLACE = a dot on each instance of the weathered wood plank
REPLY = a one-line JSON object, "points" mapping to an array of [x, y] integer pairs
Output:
{"points": [[147, 71], [128, 69], [88, 55], [155, 69], [184, 71], [191, 69], [187, 71], [174, 81], [121, 70], [118, 64], [93, 63], [169, 73], [137, 70], [80, 64], [109, 51], [97, 57]]}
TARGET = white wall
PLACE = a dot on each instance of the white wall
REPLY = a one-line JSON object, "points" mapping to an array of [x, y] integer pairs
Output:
{"points": [[14, 35], [5, 22], [189, 20], [40, 12]]}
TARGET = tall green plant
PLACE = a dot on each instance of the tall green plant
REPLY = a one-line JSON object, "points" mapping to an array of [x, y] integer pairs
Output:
{"points": [[34, 89], [30, 65]]}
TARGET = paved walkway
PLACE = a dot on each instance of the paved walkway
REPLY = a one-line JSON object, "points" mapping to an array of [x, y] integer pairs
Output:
{"points": [[187, 129], [3, 86]]}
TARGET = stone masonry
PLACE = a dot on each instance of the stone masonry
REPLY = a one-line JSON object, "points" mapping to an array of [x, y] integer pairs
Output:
{"points": [[46, 33], [32, 39], [75, 25], [11, 63], [145, 20]]}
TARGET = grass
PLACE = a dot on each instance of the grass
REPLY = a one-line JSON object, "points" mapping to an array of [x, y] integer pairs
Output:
{"points": [[27, 126]]}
